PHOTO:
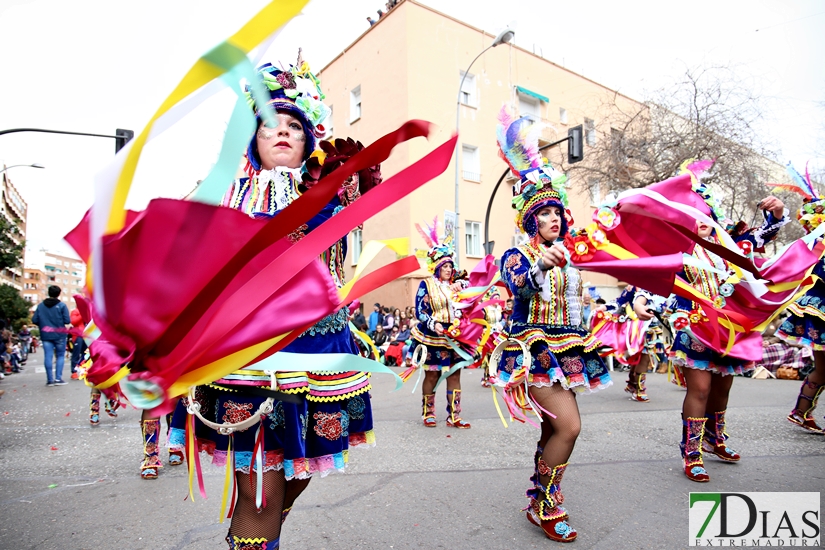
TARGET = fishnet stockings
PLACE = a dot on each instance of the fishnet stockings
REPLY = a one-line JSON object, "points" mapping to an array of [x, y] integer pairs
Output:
{"points": [[812, 384], [558, 435], [247, 521]]}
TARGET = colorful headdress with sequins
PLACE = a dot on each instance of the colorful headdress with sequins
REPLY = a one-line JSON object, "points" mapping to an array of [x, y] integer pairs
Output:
{"points": [[812, 212], [539, 184], [296, 91], [440, 250]]}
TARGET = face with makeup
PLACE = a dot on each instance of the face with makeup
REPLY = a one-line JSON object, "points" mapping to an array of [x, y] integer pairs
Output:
{"points": [[282, 145], [445, 273], [548, 221], [703, 230]]}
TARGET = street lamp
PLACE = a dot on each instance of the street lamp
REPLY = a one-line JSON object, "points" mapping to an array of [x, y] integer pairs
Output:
{"points": [[35, 165], [503, 37]]}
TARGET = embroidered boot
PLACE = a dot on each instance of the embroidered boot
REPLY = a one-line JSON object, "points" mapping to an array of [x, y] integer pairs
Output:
{"points": [[454, 411], [639, 391], [533, 492], [257, 543], [285, 513], [714, 441], [546, 512], [428, 406], [111, 406], [151, 463], [803, 417], [94, 409], [691, 446]]}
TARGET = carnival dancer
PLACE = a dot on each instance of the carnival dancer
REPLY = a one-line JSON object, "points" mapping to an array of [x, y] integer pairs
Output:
{"points": [[806, 323], [708, 372], [312, 434], [547, 320], [625, 331], [436, 312]]}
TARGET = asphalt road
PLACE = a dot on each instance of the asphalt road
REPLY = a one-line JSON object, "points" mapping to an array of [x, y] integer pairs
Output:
{"points": [[66, 485]]}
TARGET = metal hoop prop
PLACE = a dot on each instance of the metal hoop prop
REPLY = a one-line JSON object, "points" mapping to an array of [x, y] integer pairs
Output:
{"points": [[495, 356], [227, 428], [419, 355]]}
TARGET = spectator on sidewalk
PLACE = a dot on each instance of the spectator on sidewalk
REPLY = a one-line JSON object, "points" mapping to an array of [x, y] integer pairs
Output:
{"points": [[389, 320], [375, 319], [52, 316]]}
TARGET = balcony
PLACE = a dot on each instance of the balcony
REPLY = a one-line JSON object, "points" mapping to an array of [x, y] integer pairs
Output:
{"points": [[471, 176]]}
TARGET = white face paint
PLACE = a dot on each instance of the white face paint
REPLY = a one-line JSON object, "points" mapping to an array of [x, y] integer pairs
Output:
{"points": [[548, 221], [282, 145], [704, 230]]}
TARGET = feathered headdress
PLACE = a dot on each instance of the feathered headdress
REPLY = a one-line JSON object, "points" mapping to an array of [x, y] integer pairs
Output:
{"points": [[539, 183], [440, 250], [812, 212]]}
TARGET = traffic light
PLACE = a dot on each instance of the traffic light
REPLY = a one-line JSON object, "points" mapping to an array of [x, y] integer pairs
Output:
{"points": [[575, 144], [122, 137]]}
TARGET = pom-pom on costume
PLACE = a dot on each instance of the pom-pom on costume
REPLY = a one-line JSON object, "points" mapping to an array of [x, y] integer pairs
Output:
{"points": [[547, 320], [806, 323]]}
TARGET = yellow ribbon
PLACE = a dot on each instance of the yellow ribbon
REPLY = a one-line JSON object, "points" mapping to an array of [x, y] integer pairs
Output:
{"points": [[273, 16], [400, 246], [498, 408], [227, 478], [114, 379]]}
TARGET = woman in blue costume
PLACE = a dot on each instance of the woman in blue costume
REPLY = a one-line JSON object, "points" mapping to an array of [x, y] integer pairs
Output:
{"points": [[806, 323], [547, 319], [309, 432], [709, 373], [434, 309]]}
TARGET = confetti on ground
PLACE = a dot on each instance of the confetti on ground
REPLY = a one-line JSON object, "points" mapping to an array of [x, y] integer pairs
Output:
{"points": [[53, 485], [54, 448], [68, 413]]}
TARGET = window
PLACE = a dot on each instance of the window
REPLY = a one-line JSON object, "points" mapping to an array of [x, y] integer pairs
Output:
{"points": [[467, 95], [355, 104], [356, 246], [590, 132], [472, 235], [529, 107], [562, 115], [471, 163], [595, 187]]}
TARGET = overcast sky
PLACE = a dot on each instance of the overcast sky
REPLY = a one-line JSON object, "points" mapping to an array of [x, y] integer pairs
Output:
{"points": [[96, 65]]}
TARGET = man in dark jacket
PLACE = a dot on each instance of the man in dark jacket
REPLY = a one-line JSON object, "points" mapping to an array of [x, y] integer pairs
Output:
{"points": [[52, 316]]}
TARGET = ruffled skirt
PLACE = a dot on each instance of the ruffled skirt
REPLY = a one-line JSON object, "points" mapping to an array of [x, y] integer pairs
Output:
{"points": [[302, 439], [806, 323], [689, 353], [560, 354], [439, 354]]}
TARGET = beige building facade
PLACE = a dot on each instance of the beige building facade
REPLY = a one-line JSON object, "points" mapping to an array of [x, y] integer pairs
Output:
{"points": [[68, 273], [408, 66], [15, 210], [34, 286]]}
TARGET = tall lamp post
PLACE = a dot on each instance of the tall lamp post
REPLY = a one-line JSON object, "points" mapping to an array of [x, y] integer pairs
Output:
{"points": [[503, 37], [35, 165]]}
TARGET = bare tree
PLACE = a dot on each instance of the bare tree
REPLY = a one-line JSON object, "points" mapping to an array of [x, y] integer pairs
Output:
{"points": [[710, 113]]}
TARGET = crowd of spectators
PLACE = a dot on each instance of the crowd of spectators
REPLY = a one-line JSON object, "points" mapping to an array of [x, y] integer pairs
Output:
{"points": [[381, 13]]}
